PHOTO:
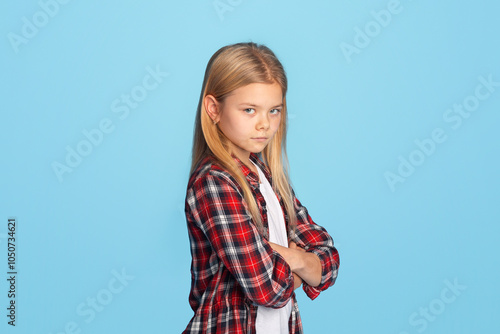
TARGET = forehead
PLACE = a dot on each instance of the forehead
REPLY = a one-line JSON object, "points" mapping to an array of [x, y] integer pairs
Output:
{"points": [[259, 94]]}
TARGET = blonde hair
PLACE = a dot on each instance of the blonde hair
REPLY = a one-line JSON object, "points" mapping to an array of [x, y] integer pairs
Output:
{"points": [[232, 67]]}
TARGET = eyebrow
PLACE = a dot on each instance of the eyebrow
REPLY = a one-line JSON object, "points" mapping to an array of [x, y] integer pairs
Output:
{"points": [[256, 106]]}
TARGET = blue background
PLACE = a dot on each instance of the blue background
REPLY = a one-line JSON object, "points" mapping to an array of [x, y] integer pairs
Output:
{"points": [[354, 116]]}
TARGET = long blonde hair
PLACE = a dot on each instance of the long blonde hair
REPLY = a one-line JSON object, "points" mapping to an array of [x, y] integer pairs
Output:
{"points": [[232, 67]]}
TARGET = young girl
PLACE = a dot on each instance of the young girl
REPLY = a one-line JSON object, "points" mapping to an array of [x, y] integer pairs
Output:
{"points": [[252, 241]]}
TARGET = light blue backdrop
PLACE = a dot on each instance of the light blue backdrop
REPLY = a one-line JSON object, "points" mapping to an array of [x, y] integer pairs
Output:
{"points": [[393, 145]]}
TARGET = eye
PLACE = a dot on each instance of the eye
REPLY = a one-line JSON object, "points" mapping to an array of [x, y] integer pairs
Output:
{"points": [[249, 110], [275, 111]]}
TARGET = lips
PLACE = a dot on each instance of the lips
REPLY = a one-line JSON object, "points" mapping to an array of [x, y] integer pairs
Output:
{"points": [[260, 138]]}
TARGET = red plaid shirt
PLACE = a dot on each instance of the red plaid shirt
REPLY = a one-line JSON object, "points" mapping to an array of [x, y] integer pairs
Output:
{"points": [[234, 269]]}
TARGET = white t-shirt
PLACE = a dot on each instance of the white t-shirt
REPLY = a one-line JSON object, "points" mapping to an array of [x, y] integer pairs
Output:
{"points": [[270, 320]]}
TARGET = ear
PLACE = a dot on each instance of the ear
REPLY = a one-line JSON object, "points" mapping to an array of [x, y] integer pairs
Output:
{"points": [[212, 107]]}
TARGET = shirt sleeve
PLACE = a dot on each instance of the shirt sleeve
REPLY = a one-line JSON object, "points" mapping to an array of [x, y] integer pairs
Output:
{"points": [[221, 212], [315, 239]]}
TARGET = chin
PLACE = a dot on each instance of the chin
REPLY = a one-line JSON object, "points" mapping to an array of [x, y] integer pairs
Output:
{"points": [[258, 150]]}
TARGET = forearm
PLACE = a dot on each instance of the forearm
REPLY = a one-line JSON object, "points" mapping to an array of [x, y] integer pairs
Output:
{"points": [[297, 281], [304, 264], [310, 271]]}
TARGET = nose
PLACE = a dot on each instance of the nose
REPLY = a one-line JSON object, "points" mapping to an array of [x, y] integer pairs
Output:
{"points": [[263, 122]]}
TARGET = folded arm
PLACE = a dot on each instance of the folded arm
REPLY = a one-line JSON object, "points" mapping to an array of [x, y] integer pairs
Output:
{"points": [[306, 265], [220, 212], [318, 245]]}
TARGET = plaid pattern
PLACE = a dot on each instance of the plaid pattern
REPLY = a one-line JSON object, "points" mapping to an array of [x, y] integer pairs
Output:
{"points": [[234, 269]]}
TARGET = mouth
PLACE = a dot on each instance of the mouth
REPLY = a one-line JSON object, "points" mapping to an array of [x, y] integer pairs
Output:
{"points": [[260, 139]]}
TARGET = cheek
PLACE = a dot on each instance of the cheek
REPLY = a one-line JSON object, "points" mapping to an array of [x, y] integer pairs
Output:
{"points": [[232, 127]]}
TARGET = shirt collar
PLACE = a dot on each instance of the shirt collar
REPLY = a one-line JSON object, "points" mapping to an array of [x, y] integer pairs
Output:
{"points": [[253, 178]]}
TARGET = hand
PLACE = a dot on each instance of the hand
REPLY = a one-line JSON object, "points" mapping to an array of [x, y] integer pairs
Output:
{"points": [[305, 264], [297, 281], [292, 255], [293, 245], [296, 278]]}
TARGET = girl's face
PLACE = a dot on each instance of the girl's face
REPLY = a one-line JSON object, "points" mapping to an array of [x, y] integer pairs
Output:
{"points": [[250, 116]]}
